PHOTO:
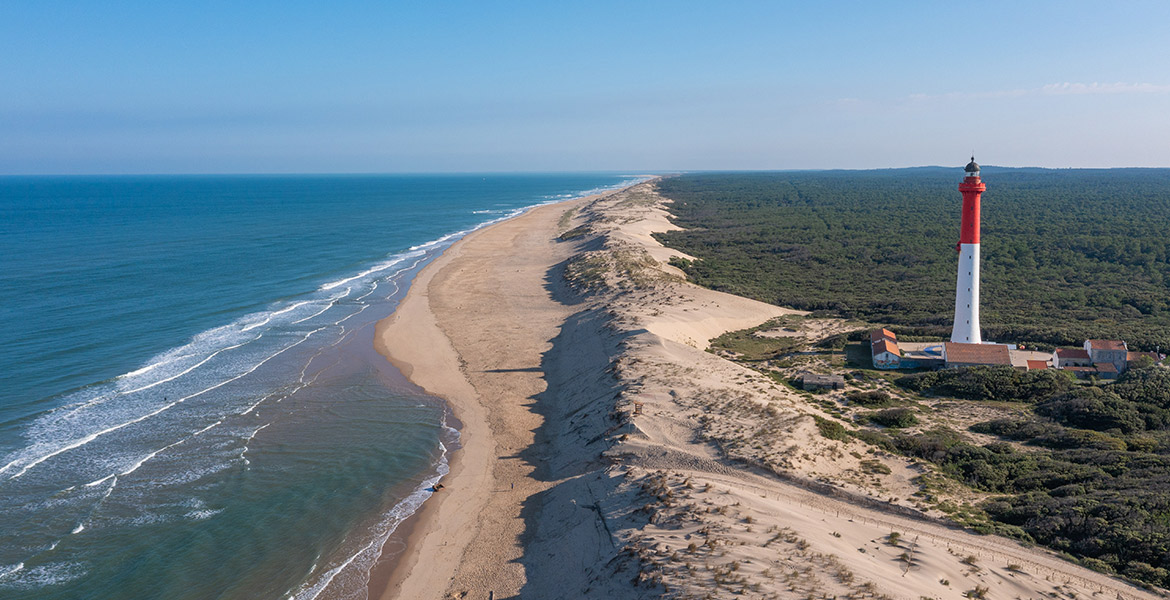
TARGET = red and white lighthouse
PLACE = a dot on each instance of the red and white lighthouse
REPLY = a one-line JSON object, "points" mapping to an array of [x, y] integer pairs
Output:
{"points": [[966, 328]]}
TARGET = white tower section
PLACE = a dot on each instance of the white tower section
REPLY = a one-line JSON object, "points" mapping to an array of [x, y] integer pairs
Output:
{"points": [[966, 328]]}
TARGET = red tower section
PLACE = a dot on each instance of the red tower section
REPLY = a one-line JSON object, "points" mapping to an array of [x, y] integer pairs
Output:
{"points": [[971, 188]]}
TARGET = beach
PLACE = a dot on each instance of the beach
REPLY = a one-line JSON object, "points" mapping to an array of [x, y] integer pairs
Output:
{"points": [[605, 453]]}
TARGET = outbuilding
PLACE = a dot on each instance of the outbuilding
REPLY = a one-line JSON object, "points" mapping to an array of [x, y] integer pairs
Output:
{"points": [[816, 381], [1071, 357]]}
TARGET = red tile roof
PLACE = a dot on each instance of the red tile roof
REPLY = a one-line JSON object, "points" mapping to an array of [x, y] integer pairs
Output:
{"points": [[1105, 367], [886, 346], [976, 354], [878, 335], [1071, 353], [1107, 344], [1132, 356], [1037, 364]]}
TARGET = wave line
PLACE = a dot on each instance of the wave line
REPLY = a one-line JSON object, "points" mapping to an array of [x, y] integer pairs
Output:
{"points": [[93, 436]]}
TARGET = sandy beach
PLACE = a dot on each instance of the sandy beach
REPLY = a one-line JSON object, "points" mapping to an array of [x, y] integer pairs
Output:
{"points": [[606, 454]]}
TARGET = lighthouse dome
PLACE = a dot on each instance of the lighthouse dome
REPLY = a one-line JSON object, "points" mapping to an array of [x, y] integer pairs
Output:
{"points": [[972, 167]]}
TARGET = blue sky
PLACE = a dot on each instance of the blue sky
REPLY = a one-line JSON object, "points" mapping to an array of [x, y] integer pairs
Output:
{"points": [[219, 87]]}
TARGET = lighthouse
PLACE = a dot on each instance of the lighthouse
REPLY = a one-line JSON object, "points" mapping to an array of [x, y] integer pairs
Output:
{"points": [[966, 328]]}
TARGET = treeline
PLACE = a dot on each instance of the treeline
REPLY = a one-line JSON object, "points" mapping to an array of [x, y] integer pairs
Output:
{"points": [[1067, 255]]}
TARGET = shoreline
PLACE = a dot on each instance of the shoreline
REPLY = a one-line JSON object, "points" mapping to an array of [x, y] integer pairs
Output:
{"points": [[430, 365]]}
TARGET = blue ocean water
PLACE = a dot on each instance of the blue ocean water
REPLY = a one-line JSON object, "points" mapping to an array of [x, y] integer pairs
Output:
{"points": [[190, 404]]}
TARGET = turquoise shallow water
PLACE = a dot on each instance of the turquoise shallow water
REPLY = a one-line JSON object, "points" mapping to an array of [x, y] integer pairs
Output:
{"points": [[191, 406]]}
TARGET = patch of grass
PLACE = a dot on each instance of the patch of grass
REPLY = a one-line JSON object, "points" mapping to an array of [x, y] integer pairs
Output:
{"points": [[753, 348], [566, 218], [576, 232], [831, 429]]}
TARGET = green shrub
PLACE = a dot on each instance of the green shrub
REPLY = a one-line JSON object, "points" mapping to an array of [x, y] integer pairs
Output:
{"points": [[896, 418], [831, 429], [873, 399]]}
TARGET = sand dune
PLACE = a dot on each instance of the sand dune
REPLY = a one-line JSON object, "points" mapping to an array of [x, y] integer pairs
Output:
{"points": [[608, 455]]}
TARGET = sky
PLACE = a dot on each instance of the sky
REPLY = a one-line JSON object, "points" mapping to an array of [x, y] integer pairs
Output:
{"points": [[451, 86]]}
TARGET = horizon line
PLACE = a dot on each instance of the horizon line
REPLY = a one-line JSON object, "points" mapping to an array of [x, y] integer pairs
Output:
{"points": [[632, 172]]}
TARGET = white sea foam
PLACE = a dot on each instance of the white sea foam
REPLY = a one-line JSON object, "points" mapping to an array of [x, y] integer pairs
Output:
{"points": [[192, 367], [370, 271], [373, 287], [249, 441], [206, 429], [201, 515], [437, 241], [353, 314], [42, 575], [98, 482], [331, 302], [77, 443], [144, 370], [7, 570], [268, 316]]}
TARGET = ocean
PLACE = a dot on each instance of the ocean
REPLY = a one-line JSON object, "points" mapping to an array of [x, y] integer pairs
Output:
{"points": [[190, 402]]}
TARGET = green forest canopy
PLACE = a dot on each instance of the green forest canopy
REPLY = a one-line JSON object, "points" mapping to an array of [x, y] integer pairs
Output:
{"points": [[1066, 254]]}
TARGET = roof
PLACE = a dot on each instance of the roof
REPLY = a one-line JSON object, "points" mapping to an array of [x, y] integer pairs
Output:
{"points": [[976, 354], [1037, 364], [1072, 353], [1084, 369], [972, 167], [1105, 367], [1132, 356], [880, 334], [1106, 344], [886, 346]]}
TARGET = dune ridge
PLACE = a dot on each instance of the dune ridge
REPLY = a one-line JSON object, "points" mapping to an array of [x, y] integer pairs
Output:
{"points": [[606, 454]]}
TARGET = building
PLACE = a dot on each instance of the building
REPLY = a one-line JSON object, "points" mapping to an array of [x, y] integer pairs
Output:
{"points": [[814, 381], [1106, 370], [1037, 365], [1081, 372], [1071, 357], [883, 348], [966, 327], [1108, 351], [971, 355], [1133, 359]]}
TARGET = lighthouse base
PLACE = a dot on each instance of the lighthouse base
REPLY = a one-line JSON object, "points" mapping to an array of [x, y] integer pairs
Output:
{"points": [[966, 328]]}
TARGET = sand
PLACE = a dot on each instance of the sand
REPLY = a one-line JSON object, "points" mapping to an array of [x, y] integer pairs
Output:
{"points": [[606, 454]]}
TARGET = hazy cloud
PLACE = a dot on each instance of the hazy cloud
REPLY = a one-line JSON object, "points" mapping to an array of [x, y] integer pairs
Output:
{"points": [[1104, 88], [1052, 89]]}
